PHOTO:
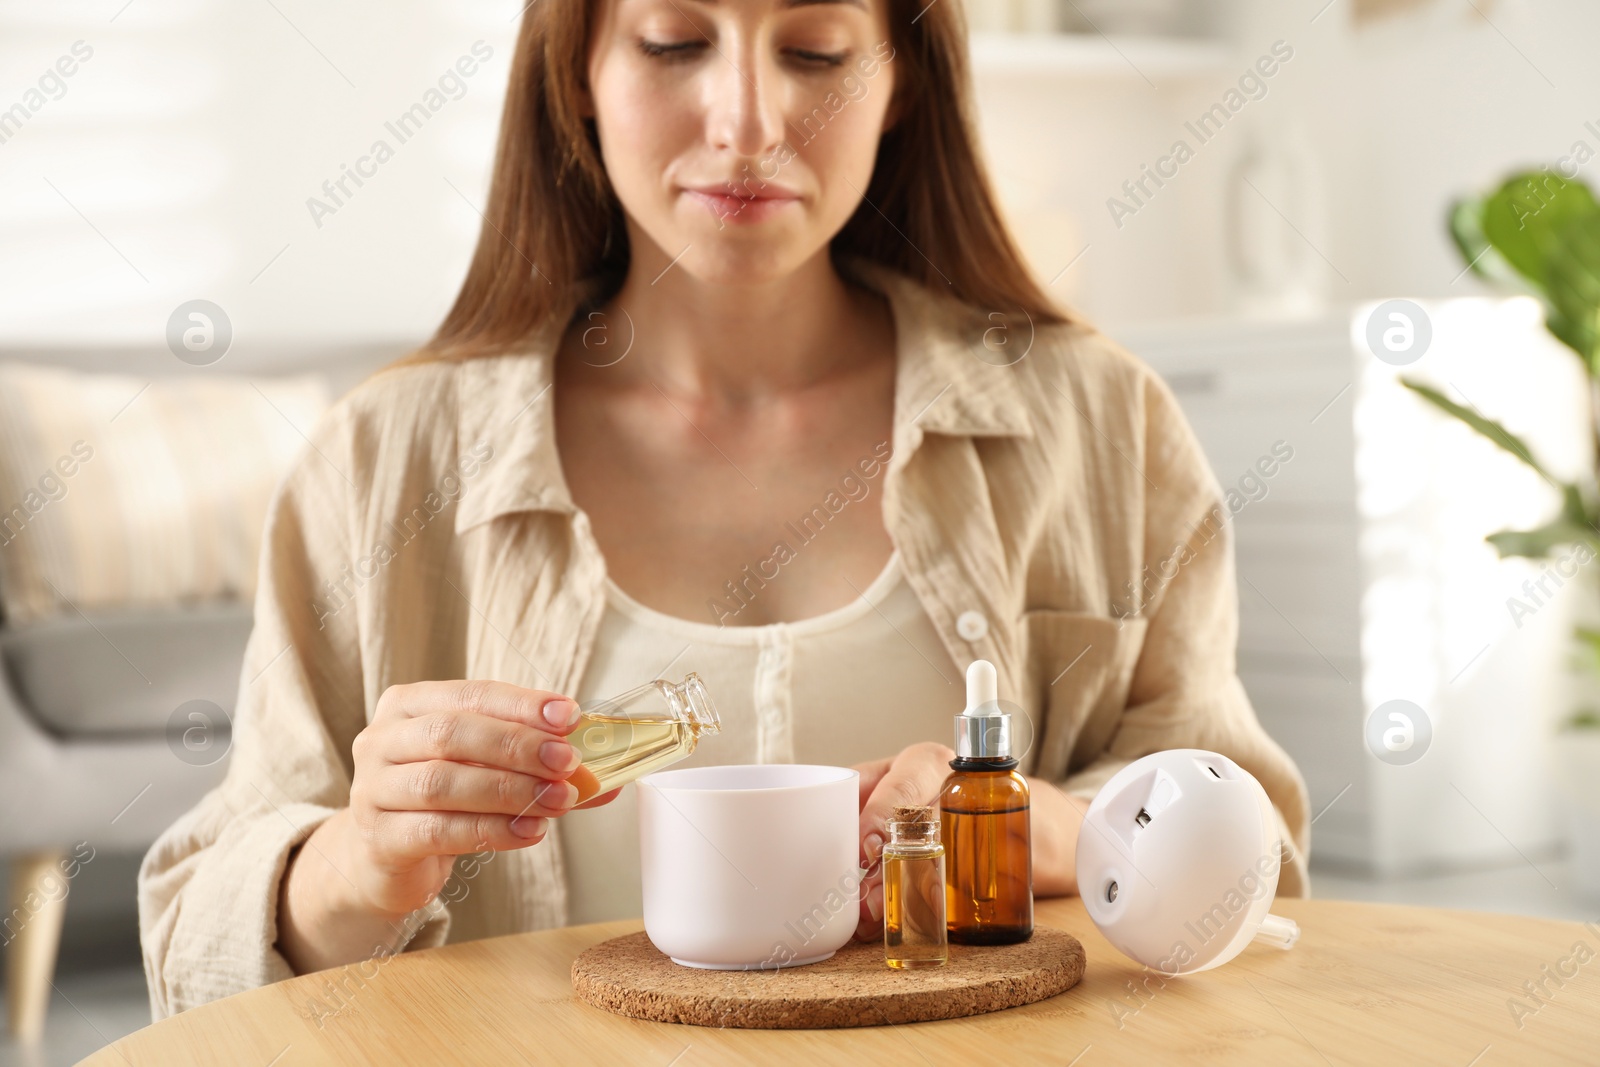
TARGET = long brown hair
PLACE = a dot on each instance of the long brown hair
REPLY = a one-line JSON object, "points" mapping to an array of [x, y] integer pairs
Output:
{"points": [[553, 235]]}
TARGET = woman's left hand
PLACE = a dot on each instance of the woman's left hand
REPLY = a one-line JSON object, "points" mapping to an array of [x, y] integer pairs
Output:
{"points": [[915, 776]]}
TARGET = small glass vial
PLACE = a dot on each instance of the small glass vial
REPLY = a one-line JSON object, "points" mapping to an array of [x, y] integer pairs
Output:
{"points": [[914, 891], [643, 730]]}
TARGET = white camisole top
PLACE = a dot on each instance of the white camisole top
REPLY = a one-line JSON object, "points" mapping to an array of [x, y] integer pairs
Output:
{"points": [[857, 683]]}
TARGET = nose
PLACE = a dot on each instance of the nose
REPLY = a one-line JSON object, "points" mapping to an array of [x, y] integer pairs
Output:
{"points": [[746, 100]]}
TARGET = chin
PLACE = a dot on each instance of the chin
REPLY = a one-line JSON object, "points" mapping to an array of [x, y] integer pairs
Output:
{"points": [[743, 259], [726, 252]]}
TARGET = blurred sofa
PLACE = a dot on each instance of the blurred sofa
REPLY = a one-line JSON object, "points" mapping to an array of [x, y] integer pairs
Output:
{"points": [[125, 598]]}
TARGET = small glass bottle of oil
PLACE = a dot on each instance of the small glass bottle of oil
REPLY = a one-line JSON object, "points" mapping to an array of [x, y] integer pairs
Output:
{"points": [[913, 891], [984, 810], [645, 729]]}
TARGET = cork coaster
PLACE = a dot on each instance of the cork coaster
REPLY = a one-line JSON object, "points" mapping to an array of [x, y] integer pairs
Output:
{"points": [[854, 987]]}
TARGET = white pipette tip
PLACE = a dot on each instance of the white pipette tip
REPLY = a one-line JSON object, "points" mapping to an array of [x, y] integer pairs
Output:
{"points": [[983, 688]]}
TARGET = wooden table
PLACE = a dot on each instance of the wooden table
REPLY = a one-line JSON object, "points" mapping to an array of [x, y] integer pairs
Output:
{"points": [[1367, 984]]}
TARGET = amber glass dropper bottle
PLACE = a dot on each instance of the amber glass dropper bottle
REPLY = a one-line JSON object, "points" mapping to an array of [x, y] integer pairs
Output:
{"points": [[984, 818]]}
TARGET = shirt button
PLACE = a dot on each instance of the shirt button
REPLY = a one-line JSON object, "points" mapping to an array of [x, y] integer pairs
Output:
{"points": [[972, 626]]}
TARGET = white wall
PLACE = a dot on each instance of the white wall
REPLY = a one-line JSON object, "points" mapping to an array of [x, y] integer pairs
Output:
{"points": [[1391, 121], [178, 163], [1412, 111]]}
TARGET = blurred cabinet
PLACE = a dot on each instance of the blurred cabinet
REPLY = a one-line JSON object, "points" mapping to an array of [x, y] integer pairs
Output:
{"points": [[1363, 575]]}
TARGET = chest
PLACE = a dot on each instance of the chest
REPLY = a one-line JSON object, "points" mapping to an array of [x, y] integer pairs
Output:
{"points": [[698, 507]]}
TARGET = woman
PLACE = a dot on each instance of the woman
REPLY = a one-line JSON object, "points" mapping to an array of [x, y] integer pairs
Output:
{"points": [[747, 378]]}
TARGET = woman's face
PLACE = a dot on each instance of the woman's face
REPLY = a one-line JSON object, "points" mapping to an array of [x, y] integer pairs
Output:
{"points": [[739, 134]]}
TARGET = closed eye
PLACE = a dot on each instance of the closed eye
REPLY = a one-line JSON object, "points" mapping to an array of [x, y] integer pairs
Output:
{"points": [[654, 48], [676, 49], [826, 59]]}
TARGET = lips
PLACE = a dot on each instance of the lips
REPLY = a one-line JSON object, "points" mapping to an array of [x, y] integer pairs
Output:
{"points": [[735, 207], [728, 191]]}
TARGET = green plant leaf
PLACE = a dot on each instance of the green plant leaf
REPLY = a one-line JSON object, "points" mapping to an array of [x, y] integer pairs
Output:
{"points": [[1577, 336], [1574, 525], [1537, 543], [1540, 233], [1576, 512], [1485, 426], [1477, 252], [1571, 266], [1522, 216]]}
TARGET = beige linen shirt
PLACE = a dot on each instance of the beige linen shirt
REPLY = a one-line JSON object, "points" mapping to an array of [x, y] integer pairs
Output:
{"points": [[1054, 515]]}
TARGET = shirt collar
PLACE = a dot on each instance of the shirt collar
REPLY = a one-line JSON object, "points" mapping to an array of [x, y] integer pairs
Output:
{"points": [[949, 379]]}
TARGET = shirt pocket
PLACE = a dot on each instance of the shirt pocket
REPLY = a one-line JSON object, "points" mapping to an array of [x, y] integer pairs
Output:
{"points": [[1080, 668]]}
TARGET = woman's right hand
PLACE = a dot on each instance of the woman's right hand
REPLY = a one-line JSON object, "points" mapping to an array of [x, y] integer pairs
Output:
{"points": [[451, 767], [444, 768]]}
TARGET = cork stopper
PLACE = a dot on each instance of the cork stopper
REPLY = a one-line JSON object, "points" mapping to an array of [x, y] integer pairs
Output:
{"points": [[912, 815], [913, 826]]}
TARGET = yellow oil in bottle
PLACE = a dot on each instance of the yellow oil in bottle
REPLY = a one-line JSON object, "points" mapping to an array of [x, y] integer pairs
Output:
{"points": [[645, 729], [914, 891], [616, 750]]}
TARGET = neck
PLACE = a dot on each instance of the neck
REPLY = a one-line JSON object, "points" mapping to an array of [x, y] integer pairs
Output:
{"points": [[739, 340]]}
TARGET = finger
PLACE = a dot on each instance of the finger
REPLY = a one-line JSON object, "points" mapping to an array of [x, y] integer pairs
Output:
{"points": [[441, 785], [450, 833], [482, 739], [870, 925], [872, 772], [604, 798], [532, 707], [588, 785], [915, 778]]}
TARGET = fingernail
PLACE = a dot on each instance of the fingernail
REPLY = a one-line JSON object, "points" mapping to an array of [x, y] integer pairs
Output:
{"points": [[875, 903], [560, 713], [557, 795], [528, 825], [873, 845], [559, 756]]}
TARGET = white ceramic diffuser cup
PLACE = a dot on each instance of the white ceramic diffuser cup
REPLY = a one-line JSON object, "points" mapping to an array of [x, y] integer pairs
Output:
{"points": [[750, 867], [1178, 861]]}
